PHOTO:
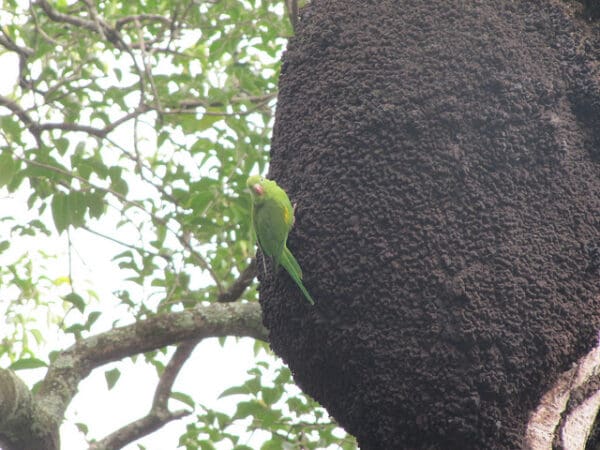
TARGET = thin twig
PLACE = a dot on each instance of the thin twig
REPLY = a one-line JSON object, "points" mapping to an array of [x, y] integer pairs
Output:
{"points": [[184, 239], [70, 259], [76, 76], [24, 117], [261, 99], [238, 287], [100, 133], [38, 27], [101, 26], [120, 23], [36, 128], [139, 162], [140, 250], [146, 63]]}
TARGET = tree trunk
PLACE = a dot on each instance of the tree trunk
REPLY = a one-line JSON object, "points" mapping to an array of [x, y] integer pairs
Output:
{"points": [[444, 158]]}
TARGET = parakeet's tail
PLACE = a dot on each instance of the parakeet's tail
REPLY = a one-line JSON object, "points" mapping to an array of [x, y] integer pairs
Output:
{"points": [[293, 268], [288, 261]]}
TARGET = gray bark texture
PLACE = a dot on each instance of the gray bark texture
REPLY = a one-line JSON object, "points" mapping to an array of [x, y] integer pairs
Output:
{"points": [[32, 422]]}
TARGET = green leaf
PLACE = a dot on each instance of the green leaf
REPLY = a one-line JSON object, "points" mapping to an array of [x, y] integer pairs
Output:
{"points": [[8, 168], [184, 398], [112, 376], [207, 121], [37, 335], [93, 316], [60, 212], [36, 387], [273, 444], [27, 363], [12, 128], [75, 329], [283, 376], [235, 390], [95, 204], [117, 183], [75, 300], [53, 355], [271, 395], [4, 245], [82, 427], [252, 408], [80, 147], [76, 206], [206, 445], [61, 144], [199, 200], [296, 405]]}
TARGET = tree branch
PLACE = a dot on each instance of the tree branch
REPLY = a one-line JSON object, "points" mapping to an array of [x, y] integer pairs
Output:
{"points": [[239, 286], [65, 18], [136, 430], [96, 25], [23, 116], [165, 384], [18, 416], [120, 23], [98, 132], [21, 414], [8, 43], [565, 415], [36, 128], [159, 414], [75, 363]]}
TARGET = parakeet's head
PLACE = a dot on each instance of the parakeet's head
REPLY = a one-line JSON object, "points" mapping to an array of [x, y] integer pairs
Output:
{"points": [[256, 184]]}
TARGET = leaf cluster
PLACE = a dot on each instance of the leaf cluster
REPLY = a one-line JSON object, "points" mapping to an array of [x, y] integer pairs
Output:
{"points": [[270, 410]]}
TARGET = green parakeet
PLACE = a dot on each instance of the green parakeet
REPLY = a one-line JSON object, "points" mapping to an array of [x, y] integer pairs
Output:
{"points": [[273, 218]]}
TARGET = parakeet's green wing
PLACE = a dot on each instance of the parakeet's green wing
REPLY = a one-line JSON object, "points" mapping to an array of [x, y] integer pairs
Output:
{"points": [[280, 196], [271, 234]]}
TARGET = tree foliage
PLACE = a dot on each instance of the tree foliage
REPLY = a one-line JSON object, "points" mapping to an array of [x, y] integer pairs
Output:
{"points": [[138, 122]]}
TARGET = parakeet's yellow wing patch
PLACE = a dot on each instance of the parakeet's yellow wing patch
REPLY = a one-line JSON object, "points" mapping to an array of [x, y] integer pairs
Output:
{"points": [[287, 217]]}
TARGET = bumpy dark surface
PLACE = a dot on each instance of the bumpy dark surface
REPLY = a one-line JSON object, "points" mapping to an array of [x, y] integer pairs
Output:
{"points": [[443, 155]]}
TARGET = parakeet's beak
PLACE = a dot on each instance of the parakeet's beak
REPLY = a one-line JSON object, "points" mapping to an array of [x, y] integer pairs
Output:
{"points": [[258, 189]]}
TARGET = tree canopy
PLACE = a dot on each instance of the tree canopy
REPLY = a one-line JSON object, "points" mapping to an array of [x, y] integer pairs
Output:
{"points": [[136, 124]]}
